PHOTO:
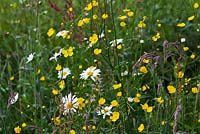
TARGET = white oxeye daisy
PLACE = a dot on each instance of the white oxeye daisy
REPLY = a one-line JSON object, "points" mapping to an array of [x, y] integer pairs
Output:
{"points": [[183, 39], [69, 104], [105, 111], [63, 33], [64, 73], [54, 57], [30, 57], [91, 72], [130, 99], [116, 42]]}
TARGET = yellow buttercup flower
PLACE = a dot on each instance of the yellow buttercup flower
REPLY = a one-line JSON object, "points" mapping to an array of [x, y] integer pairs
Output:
{"points": [[55, 91], [88, 7], [93, 39], [130, 13], [24, 124], [58, 67], [192, 56], [119, 94], [101, 101], [17, 130], [104, 16], [185, 49], [42, 78], [97, 51], [141, 128], [143, 69], [12, 78], [195, 90], [114, 103], [196, 5], [171, 89], [50, 32], [181, 24], [115, 116], [122, 24], [160, 100], [117, 86], [72, 131], [149, 109], [180, 74], [191, 18], [80, 23]]}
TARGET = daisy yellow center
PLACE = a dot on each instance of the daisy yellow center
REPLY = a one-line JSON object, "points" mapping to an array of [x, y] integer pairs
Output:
{"points": [[64, 73], [69, 105], [105, 110], [90, 73]]}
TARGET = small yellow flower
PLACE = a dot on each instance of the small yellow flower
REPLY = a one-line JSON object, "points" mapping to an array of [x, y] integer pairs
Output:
{"points": [[55, 92], [159, 25], [94, 17], [141, 128], [97, 51], [94, 3], [143, 69], [171, 89], [191, 18], [80, 66], [17, 130], [42, 78], [24, 124], [122, 17], [149, 109], [72, 131], [146, 61], [117, 86], [86, 20], [70, 9], [136, 99], [122, 24], [130, 13], [180, 74], [12, 78], [195, 90], [50, 32], [119, 94], [109, 31], [141, 24], [101, 101], [114, 103], [185, 49], [93, 127], [181, 24], [88, 7], [56, 121], [115, 116], [163, 123], [145, 87], [196, 5], [81, 103], [145, 106], [58, 67], [192, 56], [93, 39], [198, 120], [80, 23], [160, 100], [119, 46], [104, 16], [61, 84]]}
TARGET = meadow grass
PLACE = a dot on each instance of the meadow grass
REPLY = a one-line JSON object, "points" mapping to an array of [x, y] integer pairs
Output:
{"points": [[99, 67]]}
